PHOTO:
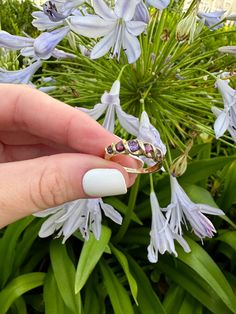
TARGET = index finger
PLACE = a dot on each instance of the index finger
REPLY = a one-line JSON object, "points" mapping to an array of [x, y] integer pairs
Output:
{"points": [[26, 109]]}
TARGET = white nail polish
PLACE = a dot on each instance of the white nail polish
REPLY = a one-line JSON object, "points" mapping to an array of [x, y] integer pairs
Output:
{"points": [[104, 182]]}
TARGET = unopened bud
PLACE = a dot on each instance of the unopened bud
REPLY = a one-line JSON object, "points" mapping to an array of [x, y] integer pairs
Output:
{"points": [[186, 27], [179, 166]]}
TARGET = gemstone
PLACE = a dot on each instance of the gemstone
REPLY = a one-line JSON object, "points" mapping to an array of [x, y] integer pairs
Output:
{"points": [[133, 145], [109, 150], [120, 147], [148, 148]]}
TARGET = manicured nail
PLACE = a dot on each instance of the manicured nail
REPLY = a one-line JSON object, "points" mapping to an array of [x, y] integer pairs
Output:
{"points": [[104, 182]]}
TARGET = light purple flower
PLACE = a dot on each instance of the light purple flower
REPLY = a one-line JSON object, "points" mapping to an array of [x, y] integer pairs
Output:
{"points": [[162, 236], [211, 18], [228, 49], [83, 214], [159, 4], [182, 210], [148, 133], [141, 12], [54, 13], [226, 118], [45, 43], [22, 76], [116, 27], [110, 104], [14, 42]]}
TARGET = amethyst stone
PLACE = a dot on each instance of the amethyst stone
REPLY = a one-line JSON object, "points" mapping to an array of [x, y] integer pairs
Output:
{"points": [[109, 150], [133, 145], [120, 147], [148, 148]]}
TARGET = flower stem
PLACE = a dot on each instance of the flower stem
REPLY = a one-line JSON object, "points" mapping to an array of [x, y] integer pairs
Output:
{"points": [[131, 204]]}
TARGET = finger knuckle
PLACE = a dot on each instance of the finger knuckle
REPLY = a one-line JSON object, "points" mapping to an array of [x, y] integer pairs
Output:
{"points": [[50, 189]]}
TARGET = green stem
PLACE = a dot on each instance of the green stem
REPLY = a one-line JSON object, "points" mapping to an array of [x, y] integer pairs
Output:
{"points": [[131, 204], [121, 72]]}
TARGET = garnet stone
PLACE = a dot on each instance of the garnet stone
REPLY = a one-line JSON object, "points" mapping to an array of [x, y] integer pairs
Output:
{"points": [[148, 148], [133, 145], [109, 150], [120, 147]]}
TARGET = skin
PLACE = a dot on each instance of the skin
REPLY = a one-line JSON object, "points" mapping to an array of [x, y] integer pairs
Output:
{"points": [[46, 147]]}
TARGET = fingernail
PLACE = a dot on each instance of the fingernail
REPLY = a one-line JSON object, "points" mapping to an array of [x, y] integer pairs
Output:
{"points": [[104, 182]]}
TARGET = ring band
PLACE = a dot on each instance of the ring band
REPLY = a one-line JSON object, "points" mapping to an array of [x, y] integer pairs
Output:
{"points": [[136, 148]]}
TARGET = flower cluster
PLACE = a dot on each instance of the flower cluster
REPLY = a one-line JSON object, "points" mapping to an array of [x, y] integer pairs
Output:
{"points": [[114, 31]]}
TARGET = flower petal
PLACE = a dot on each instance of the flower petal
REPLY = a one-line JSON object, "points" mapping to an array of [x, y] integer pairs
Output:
{"points": [[221, 124], [110, 212], [109, 120], [131, 47], [128, 122], [91, 26], [101, 9], [42, 21], [14, 42], [95, 112], [103, 46], [126, 9], [45, 43], [159, 4], [141, 13], [135, 27]]}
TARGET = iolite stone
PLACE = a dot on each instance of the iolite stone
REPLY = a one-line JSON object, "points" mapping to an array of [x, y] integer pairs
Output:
{"points": [[120, 147], [109, 150], [133, 145]]}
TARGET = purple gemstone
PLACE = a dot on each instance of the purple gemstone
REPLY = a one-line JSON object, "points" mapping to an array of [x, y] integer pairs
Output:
{"points": [[109, 150], [120, 147], [133, 145], [148, 148]]}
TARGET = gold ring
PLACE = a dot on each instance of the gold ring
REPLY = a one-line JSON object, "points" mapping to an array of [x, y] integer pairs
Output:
{"points": [[137, 148]]}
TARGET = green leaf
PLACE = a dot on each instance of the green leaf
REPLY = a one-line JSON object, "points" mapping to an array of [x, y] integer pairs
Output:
{"points": [[17, 287], [228, 196], [147, 298], [52, 298], [200, 169], [208, 270], [93, 302], [199, 195], [64, 272], [173, 299], [119, 297], [229, 237], [8, 244], [197, 273], [125, 265], [19, 306], [91, 253]]}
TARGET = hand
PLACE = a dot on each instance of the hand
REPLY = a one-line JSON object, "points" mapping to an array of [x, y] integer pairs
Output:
{"points": [[46, 151]]}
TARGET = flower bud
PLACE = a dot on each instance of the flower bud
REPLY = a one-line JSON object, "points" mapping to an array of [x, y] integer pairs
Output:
{"points": [[179, 165], [186, 28]]}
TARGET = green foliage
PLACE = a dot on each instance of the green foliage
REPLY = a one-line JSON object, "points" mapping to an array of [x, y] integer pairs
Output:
{"points": [[15, 17]]}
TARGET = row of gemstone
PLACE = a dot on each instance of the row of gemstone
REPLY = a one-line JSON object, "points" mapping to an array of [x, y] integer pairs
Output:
{"points": [[133, 146]]}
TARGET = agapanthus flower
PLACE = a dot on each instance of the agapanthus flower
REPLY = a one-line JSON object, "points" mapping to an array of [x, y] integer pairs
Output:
{"points": [[22, 76], [148, 133], [159, 4], [182, 210], [54, 13], [110, 104], [141, 12], [83, 214], [162, 236], [211, 18], [115, 26], [226, 118], [14, 42], [228, 49], [42, 47]]}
